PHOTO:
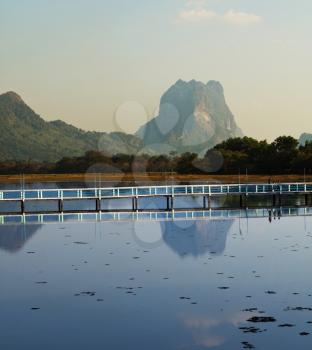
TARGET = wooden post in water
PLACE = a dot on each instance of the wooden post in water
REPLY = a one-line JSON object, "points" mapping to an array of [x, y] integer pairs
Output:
{"points": [[172, 202], [23, 206], [306, 199], [274, 200], [204, 202]]}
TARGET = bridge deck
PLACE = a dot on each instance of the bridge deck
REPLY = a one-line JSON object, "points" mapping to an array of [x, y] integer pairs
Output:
{"points": [[154, 191]]}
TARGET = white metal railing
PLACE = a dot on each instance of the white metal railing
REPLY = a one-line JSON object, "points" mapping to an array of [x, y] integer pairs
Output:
{"points": [[148, 191]]}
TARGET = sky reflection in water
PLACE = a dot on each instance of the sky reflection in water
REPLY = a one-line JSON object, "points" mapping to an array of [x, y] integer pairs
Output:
{"points": [[156, 285]]}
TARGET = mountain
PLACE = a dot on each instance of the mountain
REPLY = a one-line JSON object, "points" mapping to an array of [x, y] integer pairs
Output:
{"points": [[193, 116], [304, 138], [26, 136]]}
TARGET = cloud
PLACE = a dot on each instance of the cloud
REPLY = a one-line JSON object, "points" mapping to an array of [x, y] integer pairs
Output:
{"points": [[196, 15], [241, 18], [196, 11]]}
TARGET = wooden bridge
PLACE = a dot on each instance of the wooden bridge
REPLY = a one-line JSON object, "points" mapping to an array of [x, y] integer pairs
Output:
{"points": [[169, 192]]}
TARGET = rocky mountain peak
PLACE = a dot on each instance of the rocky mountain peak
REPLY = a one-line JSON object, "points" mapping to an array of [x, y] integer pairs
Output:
{"points": [[193, 116], [215, 86]]}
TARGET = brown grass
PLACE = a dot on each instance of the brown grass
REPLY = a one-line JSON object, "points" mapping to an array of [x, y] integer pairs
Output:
{"points": [[151, 177]]}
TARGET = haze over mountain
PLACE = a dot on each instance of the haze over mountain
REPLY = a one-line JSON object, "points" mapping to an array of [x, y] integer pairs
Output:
{"points": [[193, 116], [26, 136], [304, 138]]}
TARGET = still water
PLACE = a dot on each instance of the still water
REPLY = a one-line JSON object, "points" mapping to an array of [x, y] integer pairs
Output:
{"points": [[194, 284]]}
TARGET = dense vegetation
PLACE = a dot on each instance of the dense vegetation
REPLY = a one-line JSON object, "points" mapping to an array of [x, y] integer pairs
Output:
{"points": [[283, 156], [25, 135]]}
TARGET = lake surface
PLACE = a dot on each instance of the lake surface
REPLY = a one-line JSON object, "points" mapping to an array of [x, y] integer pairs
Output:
{"points": [[193, 284]]}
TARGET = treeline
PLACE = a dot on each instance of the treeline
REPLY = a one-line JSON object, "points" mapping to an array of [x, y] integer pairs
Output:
{"points": [[283, 156]]}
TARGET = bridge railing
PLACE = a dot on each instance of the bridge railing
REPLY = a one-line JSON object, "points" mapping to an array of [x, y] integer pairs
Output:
{"points": [[148, 191]]}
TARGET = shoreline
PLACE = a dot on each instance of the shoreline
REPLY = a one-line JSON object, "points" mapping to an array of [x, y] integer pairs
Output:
{"points": [[152, 177]]}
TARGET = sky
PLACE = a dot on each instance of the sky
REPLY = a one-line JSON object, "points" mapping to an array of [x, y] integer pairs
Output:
{"points": [[104, 64]]}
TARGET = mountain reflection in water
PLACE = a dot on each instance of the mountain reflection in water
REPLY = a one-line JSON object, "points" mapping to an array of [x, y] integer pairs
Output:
{"points": [[14, 237], [203, 237], [186, 238]]}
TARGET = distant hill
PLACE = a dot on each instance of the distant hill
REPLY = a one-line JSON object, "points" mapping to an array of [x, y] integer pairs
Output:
{"points": [[26, 136], [304, 138], [193, 116]]}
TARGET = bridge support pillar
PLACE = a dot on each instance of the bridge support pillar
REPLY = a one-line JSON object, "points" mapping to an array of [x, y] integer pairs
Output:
{"points": [[168, 203], [241, 201], [98, 205], [60, 205], [206, 202], [274, 200], [172, 202], [135, 203], [22, 206]]}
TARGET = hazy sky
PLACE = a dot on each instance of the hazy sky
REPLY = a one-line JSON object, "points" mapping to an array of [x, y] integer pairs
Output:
{"points": [[80, 60]]}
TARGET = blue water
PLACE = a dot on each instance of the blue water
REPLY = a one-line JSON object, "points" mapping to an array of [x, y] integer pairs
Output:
{"points": [[156, 285]]}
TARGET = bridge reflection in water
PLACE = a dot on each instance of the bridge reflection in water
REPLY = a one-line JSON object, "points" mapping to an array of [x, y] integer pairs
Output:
{"points": [[156, 215]]}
